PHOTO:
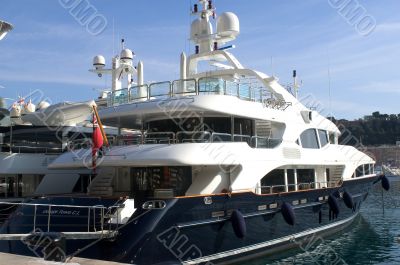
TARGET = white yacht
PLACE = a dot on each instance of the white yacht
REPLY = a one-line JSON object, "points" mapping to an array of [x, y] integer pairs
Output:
{"points": [[229, 165], [31, 137]]}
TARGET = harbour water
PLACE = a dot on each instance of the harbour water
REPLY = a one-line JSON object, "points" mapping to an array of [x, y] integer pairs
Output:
{"points": [[374, 237]]}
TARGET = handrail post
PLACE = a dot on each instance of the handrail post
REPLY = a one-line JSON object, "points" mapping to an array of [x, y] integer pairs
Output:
{"points": [[34, 219], [48, 219], [88, 225], [94, 219], [102, 219]]}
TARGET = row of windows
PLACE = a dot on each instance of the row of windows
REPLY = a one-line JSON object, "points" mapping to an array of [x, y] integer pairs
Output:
{"points": [[313, 139], [363, 170], [277, 178]]}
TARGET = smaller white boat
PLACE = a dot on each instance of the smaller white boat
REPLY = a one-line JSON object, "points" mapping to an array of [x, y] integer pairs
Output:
{"points": [[64, 113]]}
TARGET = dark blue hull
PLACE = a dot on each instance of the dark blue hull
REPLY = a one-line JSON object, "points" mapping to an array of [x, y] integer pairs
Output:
{"points": [[199, 229]]}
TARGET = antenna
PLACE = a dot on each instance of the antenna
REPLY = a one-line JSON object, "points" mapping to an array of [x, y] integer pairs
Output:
{"points": [[272, 66], [295, 84], [113, 37], [329, 87]]}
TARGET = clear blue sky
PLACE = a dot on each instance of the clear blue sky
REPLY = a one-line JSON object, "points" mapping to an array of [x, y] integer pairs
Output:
{"points": [[49, 50]]}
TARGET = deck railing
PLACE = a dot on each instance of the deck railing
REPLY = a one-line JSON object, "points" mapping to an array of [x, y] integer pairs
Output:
{"points": [[31, 148], [45, 217], [297, 187], [195, 137], [247, 89], [180, 137]]}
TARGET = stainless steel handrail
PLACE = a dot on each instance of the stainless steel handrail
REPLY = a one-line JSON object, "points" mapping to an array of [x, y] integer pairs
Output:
{"points": [[50, 207], [47, 150], [253, 91], [309, 185], [178, 137]]}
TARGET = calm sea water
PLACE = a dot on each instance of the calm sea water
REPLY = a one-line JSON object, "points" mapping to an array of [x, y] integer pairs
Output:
{"points": [[374, 238]]}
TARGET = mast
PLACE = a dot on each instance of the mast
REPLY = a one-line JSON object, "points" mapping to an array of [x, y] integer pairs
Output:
{"points": [[122, 67]]}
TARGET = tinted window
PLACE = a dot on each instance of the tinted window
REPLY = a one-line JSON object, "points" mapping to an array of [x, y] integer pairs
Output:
{"points": [[332, 138], [304, 178], [290, 178], [323, 137], [367, 169], [359, 171], [309, 139], [274, 178]]}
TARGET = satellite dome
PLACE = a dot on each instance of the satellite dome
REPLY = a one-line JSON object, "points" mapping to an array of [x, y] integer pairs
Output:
{"points": [[126, 54], [43, 105], [228, 25], [30, 107], [15, 111], [195, 29], [99, 62]]}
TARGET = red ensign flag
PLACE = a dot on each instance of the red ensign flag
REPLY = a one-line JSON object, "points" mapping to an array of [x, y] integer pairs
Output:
{"points": [[97, 139]]}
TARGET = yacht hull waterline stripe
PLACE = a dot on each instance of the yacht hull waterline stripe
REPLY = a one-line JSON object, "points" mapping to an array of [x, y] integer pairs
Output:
{"points": [[293, 237]]}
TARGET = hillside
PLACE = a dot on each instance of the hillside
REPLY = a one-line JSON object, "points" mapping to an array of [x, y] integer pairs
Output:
{"points": [[372, 130]]}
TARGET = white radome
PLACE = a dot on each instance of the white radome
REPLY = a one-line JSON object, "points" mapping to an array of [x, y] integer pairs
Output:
{"points": [[195, 29], [30, 107], [43, 105], [15, 111], [126, 54], [99, 62], [228, 25]]}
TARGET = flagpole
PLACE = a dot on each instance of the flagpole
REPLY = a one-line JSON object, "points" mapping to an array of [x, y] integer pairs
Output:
{"points": [[94, 155]]}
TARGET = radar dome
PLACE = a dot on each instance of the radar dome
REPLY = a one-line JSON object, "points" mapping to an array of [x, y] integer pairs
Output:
{"points": [[195, 29], [228, 25], [126, 54], [99, 62], [43, 105], [30, 107], [15, 111]]}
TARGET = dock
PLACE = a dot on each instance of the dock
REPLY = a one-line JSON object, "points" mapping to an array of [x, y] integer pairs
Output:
{"points": [[6, 258]]}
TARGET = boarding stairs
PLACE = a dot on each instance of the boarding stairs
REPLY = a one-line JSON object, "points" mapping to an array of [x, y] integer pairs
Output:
{"points": [[101, 185], [263, 128], [336, 174]]}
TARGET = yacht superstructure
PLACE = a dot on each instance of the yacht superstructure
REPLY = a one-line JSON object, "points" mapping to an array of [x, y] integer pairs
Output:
{"points": [[228, 165]]}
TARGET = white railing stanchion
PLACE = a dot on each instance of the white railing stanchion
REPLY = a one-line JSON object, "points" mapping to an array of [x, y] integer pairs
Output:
{"points": [[48, 219], [34, 218]]}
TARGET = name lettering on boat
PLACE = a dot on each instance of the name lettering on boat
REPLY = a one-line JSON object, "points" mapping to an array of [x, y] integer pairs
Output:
{"points": [[61, 212]]}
